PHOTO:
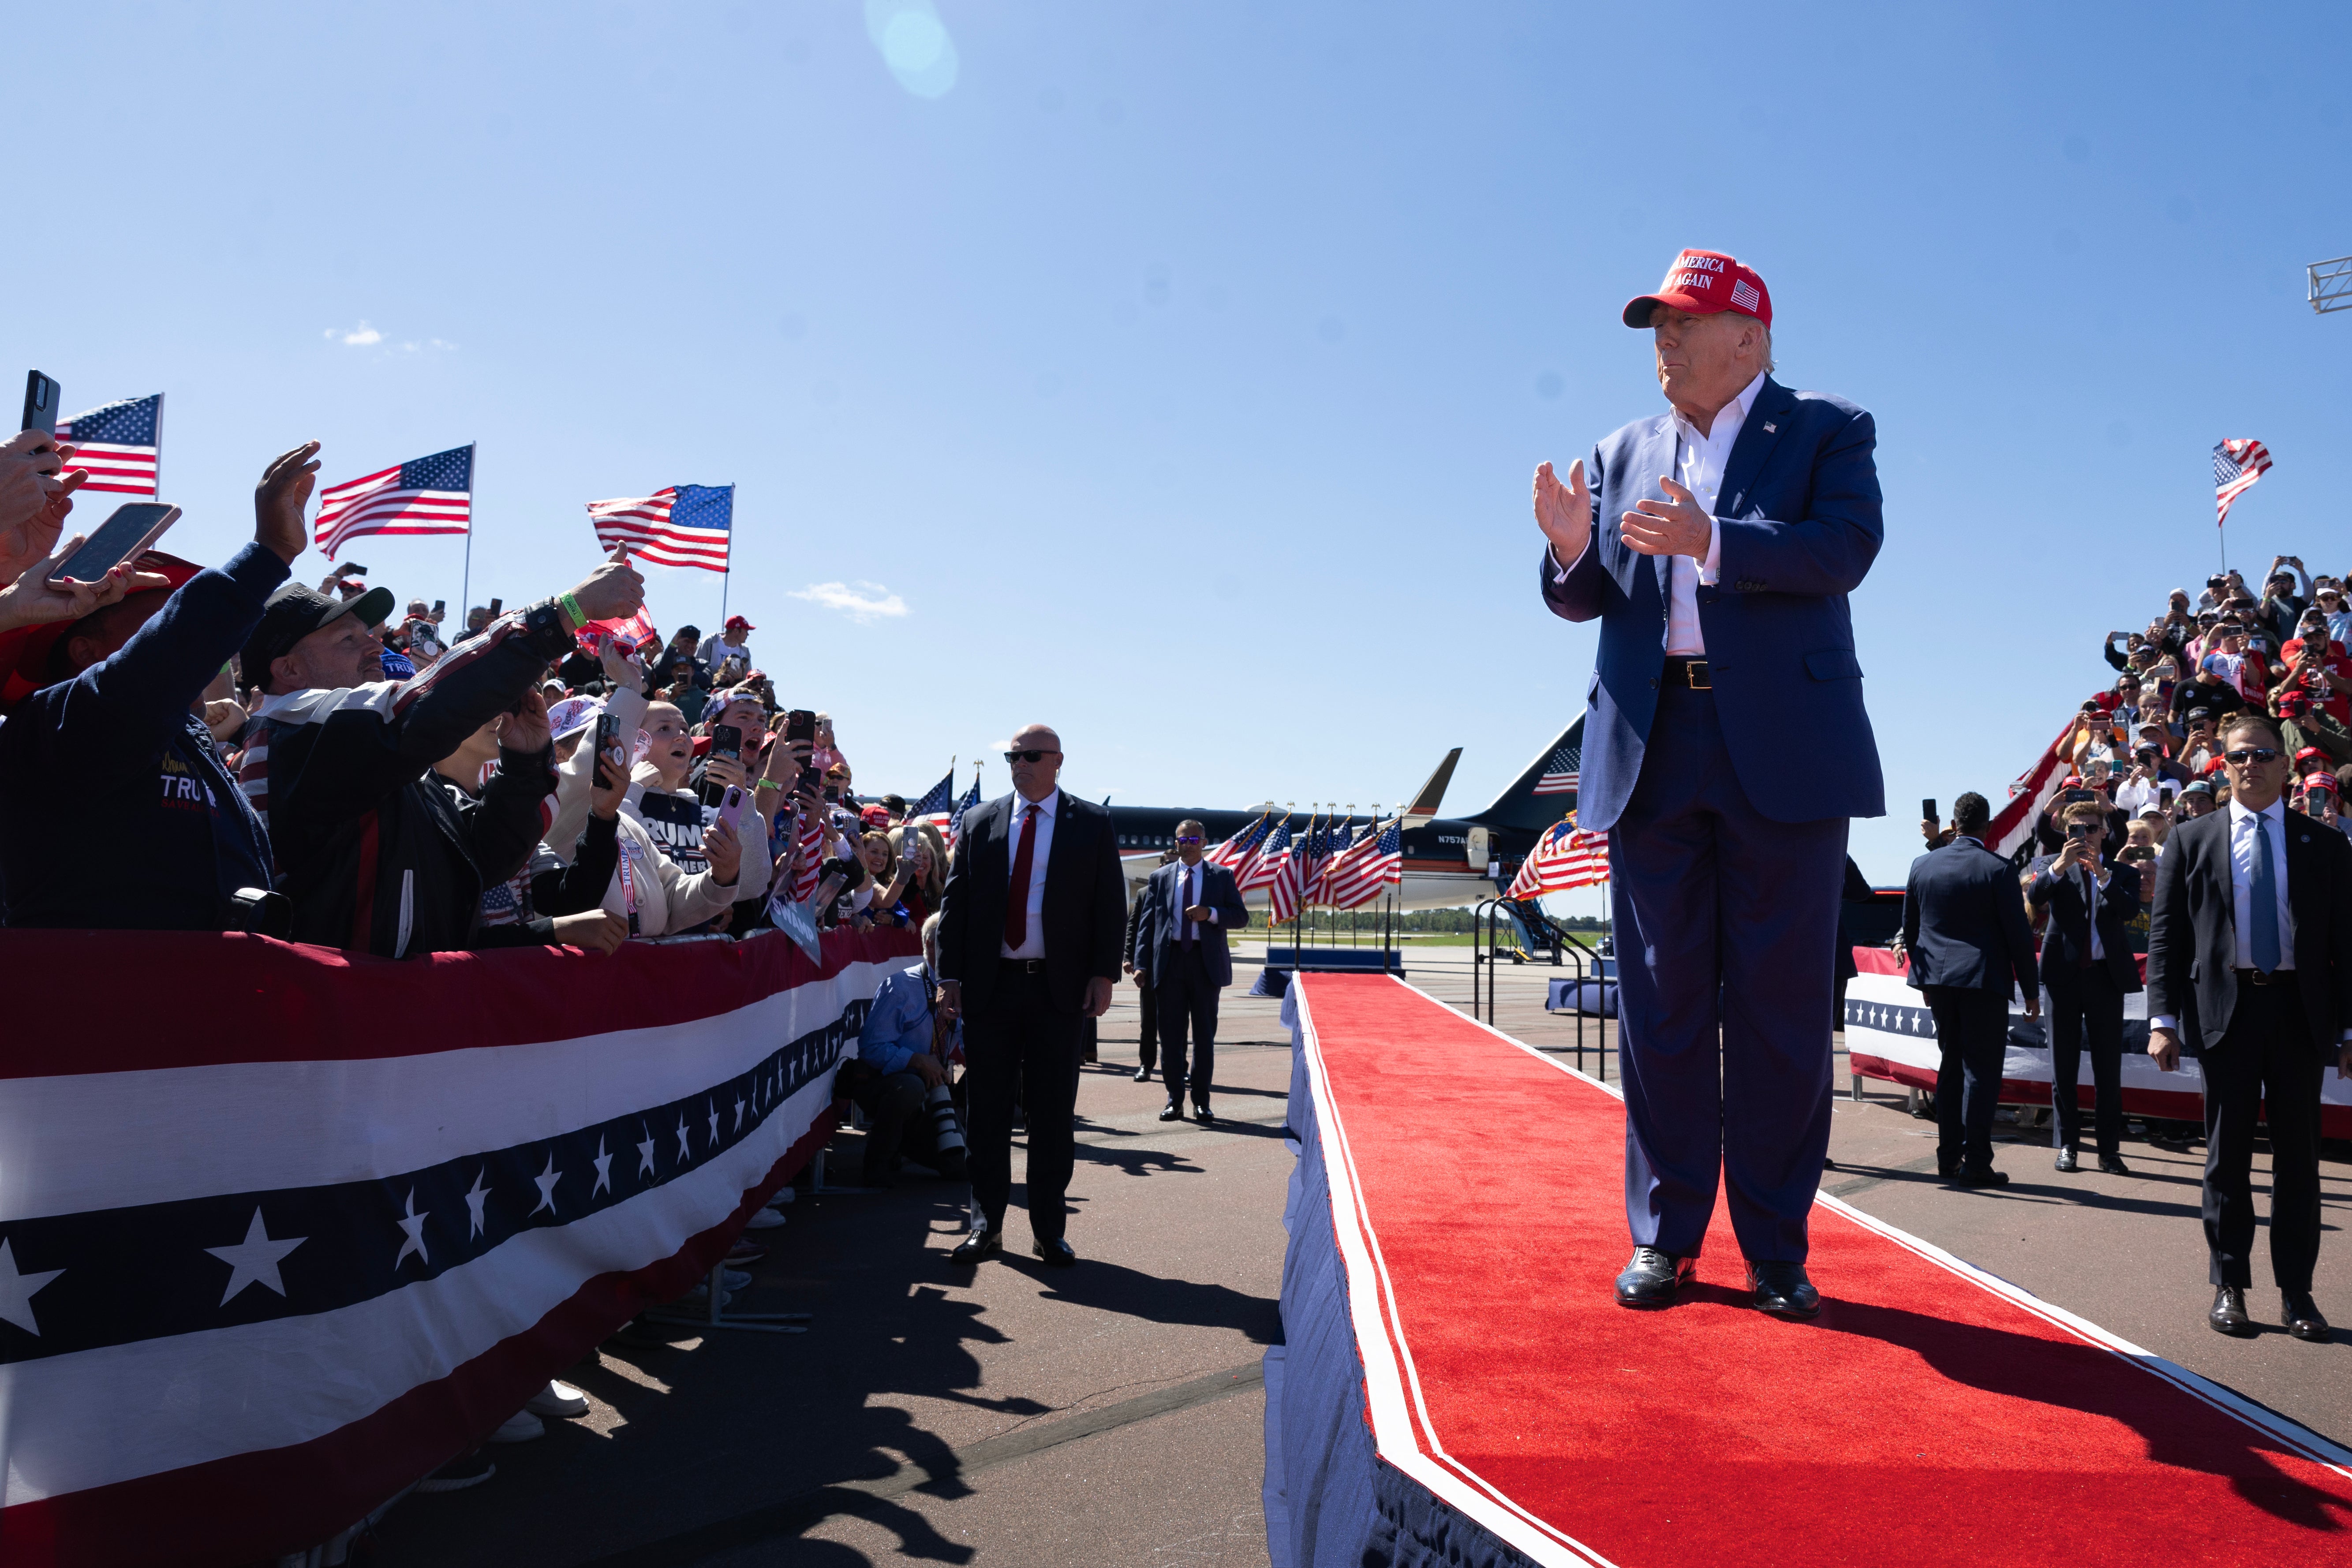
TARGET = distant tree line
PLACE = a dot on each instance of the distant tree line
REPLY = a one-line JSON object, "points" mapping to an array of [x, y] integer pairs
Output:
{"points": [[1432, 920]]}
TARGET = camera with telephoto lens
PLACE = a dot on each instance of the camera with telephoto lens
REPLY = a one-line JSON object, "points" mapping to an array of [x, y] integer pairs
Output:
{"points": [[947, 1132]]}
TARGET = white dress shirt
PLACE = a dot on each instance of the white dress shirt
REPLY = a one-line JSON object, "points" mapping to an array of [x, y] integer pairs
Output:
{"points": [[1032, 944], [1189, 879], [1699, 460]]}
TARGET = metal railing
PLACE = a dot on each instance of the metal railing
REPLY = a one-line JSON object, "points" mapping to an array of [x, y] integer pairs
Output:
{"points": [[1486, 955]]}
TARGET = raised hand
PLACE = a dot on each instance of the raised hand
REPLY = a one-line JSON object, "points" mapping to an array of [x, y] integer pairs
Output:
{"points": [[40, 596], [620, 669], [524, 731], [725, 852], [608, 784], [613, 589], [278, 500], [1564, 512], [1675, 526]]}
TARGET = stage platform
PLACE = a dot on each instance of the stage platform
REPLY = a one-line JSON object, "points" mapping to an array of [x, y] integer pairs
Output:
{"points": [[1457, 1386]]}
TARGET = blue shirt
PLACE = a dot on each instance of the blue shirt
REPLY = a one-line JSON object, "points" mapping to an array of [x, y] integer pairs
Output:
{"points": [[898, 1026]]}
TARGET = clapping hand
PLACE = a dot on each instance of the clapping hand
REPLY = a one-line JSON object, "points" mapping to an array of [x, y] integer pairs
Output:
{"points": [[1564, 512], [1675, 526]]}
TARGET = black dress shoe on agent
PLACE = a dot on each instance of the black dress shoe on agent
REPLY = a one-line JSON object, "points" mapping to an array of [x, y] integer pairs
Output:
{"points": [[1171, 1112], [1783, 1290], [1985, 1178], [1057, 1252], [980, 1244], [1143, 1075], [2114, 1164], [1202, 1114], [2302, 1319], [2229, 1313], [2067, 1161], [1651, 1279]]}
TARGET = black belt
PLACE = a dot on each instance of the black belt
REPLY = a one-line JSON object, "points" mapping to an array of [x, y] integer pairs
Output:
{"points": [[1684, 670], [2260, 978], [1023, 966]]}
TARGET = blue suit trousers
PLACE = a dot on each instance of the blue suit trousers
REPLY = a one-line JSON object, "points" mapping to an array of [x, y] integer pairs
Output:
{"points": [[1727, 938]]}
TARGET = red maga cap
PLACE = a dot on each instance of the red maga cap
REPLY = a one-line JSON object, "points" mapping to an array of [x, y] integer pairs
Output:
{"points": [[1704, 282]]}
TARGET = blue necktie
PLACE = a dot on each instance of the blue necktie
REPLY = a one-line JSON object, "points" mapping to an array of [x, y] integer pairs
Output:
{"points": [[2264, 893]]}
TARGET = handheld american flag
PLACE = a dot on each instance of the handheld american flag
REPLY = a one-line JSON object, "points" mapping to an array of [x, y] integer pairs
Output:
{"points": [[682, 525], [119, 444], [2236, 465], [427, 495]]}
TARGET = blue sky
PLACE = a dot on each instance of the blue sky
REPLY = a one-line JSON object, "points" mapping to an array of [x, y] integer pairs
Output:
{"points": [[1174, 374]]}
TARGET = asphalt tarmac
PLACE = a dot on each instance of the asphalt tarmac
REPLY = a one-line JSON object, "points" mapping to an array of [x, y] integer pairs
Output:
{"points": [[1111, 1414]]}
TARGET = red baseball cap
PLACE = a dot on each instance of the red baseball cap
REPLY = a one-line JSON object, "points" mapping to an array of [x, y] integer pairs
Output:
{"points": [[1704, 282]]}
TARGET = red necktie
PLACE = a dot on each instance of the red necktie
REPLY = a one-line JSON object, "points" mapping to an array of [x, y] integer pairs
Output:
{"points": [[1016, 895]]}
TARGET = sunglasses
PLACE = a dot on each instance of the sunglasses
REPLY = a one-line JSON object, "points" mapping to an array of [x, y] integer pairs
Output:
{"points": [[1188, 839], [2246, 754], [1035, 755]]}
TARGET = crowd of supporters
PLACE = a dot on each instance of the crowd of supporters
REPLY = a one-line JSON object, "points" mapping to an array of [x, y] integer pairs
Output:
{"points": [[220, 749]]}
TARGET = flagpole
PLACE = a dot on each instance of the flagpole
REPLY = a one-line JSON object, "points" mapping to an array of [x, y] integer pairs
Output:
{"points": [[466, 579]]}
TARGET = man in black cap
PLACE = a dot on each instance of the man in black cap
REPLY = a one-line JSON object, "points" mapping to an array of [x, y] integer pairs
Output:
{"points": [[371, 849], [115, 811]]}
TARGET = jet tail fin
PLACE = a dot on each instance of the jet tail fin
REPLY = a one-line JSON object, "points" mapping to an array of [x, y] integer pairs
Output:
{"points": [[1427, 799], [1544, 791]]}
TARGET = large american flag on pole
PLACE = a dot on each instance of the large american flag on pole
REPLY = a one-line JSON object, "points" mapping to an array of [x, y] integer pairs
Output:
{"points": [[1559, 773], [1565, 857], [1267, 864], [682, 525], [2236, 465], [257, 1275], [1370, 866], [933, 806], [119, 444], [955, 817], [1237, 854], [1290, 867], [427, 495]]}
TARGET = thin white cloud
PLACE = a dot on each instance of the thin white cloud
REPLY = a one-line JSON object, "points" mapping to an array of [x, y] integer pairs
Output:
{"points": [[861, 601], [360, 337], [366, 336]]}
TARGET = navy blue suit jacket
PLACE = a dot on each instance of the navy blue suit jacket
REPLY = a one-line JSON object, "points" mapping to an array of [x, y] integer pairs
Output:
{"points": [[1162, 922], [2067, 940], [1964, 921], [1799, 516]]}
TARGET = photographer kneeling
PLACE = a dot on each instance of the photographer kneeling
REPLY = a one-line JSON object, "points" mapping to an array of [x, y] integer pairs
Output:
{"points": [[903, 1053]]}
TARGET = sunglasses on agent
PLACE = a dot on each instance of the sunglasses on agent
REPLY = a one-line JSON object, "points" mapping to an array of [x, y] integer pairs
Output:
{"points": [[1031, 756]]}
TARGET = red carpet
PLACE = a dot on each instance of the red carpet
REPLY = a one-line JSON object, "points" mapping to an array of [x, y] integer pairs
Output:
{"points": [[1931, 1414]]}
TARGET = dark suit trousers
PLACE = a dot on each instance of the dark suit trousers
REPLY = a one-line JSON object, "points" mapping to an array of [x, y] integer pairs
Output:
{"points": [[1019, 1045], [1188, 1005], [1147, 1002], [1972, 1035], [2267, 1049], [2086, 1008], [1727, 929]]}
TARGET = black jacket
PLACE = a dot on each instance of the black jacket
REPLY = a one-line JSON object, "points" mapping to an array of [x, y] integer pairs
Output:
{"points": [[115, 812], [2067, 940], [1085, 899], [2192, 932], [1162, 918], [1964, 921], [375, 851]]}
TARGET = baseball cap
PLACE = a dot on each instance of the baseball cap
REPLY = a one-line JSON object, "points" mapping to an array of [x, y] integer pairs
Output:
{"points": [[2199, 787], [296, 611], [572, 714], [2320, 778], [1705, 282], [736, 622]]}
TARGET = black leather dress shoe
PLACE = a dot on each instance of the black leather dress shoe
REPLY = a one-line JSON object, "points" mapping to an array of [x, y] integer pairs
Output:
{"points": [[980, 1244], [1057, 1252], [1783, 1290], [2067, 1162], [1202, 1114], [1171, 1112], [1651, 1279], [2114, 1164], [1985, 1178], [2302, 1319], [1143, 1075], [2229, 1313]]}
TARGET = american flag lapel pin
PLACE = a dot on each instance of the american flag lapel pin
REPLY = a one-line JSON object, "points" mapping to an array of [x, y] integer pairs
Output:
{"points": [[1770, 428]]}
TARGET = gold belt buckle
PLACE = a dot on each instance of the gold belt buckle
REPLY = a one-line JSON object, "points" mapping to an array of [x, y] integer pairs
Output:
{"points": [[1695, 672]]}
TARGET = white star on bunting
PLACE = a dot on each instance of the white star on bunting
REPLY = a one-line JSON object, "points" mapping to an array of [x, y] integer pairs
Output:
{"points": [[739, 1113], [255, 1260], [475, 1198], [414, 1225], [17, 1290], [646, 1152], [604, 1170], [545, 1181], [714, 1125], [683, 1152]]}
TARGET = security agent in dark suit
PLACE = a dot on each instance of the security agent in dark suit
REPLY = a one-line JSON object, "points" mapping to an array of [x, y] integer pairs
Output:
{"points": [[1147, 995], [1965, 929], [1717, 544], [2250, 956], [2088, 963], [1188, 907], [1029, 936]]}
